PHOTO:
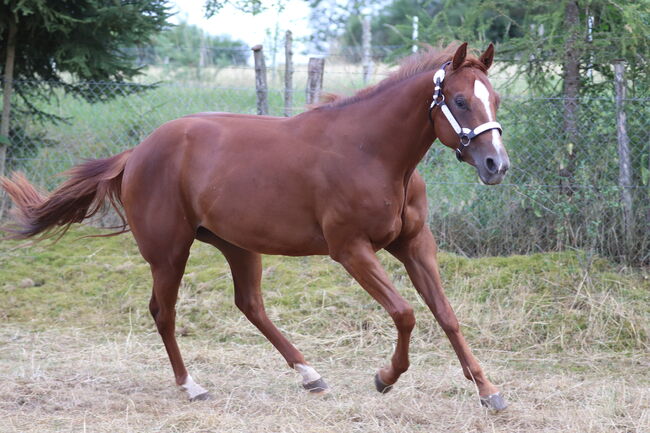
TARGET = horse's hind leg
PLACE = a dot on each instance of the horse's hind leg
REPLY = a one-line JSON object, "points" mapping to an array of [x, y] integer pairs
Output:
{"points": [[167, 252], [246, 268]]}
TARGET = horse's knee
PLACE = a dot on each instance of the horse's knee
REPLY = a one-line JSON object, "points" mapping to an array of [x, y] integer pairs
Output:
{"points": [[404, 319]]}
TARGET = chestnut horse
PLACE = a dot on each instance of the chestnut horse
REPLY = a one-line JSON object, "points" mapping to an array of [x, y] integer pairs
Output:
{"points": [[337, 180]]}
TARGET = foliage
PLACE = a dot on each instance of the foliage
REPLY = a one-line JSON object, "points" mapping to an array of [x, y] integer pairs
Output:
{"points": [[254, 7], [530, 212], [67, 45], [82, 39], [533, 37], [188, 45], [392, 25]]}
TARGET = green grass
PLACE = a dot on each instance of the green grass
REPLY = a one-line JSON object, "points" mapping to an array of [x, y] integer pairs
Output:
{"points": [[558, 301]]}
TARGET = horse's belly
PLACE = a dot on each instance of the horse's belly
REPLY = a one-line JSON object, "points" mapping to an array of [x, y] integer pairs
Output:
{"points": [[270, 240], [268, 229]]}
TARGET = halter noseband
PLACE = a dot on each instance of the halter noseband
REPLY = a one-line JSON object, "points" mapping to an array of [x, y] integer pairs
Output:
{"points": [[464, 134]]}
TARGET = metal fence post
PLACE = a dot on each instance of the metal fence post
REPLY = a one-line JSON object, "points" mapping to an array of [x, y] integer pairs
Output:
{"points": [[414, 36], [315, 70], [260, 81], [624, 162], [288, 74]]}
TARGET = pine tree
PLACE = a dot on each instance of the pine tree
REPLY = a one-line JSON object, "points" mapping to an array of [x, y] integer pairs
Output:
{"points": [[48, 44]]}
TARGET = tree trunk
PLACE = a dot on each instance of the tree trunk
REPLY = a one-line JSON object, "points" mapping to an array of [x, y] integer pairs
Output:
{"points": [[6, 102], [571, 90], [6, 92]]}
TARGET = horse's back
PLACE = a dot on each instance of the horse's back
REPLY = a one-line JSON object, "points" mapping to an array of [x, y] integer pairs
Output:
{"points": [[248, 180]]}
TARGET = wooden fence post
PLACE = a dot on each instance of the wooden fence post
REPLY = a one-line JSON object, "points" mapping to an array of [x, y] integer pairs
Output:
{"points": [[367, 50], [315, 69], [624, 162], [260, 81], [203, 57], [288, 74]]}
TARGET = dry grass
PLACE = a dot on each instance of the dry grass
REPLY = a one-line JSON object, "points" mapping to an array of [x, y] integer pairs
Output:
{"points": [[80, 380], [566, 341]]}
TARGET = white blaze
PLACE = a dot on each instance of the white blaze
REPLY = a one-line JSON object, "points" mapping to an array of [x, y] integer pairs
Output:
{"points": [[483, 94]]}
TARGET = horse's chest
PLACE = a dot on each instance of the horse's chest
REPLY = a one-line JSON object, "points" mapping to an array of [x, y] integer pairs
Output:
{"points": [[381, 221]]}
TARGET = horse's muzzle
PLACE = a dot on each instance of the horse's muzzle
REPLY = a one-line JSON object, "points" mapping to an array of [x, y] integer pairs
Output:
{"points": [[493, 169]]}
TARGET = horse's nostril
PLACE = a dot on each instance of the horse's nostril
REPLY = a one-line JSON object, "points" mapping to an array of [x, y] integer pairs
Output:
{"points": [[491, 165]]}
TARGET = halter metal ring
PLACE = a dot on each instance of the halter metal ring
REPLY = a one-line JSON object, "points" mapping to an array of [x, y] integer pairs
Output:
{"points": [[464, 139]]}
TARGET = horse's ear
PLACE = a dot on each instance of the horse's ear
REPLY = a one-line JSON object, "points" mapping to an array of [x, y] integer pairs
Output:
{"points": [[488, 56], [459, 57]]}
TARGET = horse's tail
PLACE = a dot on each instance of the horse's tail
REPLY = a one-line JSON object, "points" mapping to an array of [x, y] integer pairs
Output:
{"points": [[78, 198]]}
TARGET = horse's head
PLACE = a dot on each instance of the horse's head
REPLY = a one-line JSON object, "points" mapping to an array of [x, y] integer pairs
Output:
{"points": [[464, 114]]}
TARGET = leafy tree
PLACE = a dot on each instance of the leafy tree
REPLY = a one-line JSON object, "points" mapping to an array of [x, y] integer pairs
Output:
{"points": [[46, 44], [254, 7], [188, 45], [392, 25], [538, 36]]}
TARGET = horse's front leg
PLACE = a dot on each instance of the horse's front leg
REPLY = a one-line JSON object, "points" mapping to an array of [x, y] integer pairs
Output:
{"points": [[360, 261], [419, 257]]}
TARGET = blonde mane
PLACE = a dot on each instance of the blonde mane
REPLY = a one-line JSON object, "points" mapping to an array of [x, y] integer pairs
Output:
{"points": [[428, 59]]}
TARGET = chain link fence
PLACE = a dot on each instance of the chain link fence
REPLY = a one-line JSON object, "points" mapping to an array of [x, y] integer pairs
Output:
{"points": [[557, 195]]}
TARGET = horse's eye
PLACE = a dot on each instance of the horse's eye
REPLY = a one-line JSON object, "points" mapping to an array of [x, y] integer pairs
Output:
{"points": [[461, 103]]}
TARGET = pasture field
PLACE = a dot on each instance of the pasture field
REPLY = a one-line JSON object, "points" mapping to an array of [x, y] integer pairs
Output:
{"points": [[565, 335]]}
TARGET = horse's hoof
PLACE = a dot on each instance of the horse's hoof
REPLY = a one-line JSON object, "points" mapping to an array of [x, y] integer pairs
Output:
{"points": [[317, 387], [494, 402], [381, 386], [202, 397]]}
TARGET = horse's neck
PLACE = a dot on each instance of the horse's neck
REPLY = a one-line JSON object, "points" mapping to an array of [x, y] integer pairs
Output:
{"points": [[393, 123]]}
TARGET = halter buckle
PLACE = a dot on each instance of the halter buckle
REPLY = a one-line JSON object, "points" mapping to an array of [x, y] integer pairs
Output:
{"points": [[439, 75]]}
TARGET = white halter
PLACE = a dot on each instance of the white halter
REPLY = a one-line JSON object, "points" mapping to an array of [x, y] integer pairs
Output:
{"points": [[465, 134]]}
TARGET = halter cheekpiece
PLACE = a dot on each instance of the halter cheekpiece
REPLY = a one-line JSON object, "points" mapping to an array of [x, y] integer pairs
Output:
{"points": [[464, 134]]}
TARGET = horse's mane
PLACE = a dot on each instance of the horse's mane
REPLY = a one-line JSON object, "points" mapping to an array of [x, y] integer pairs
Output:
{"points": [[428, 59]]}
